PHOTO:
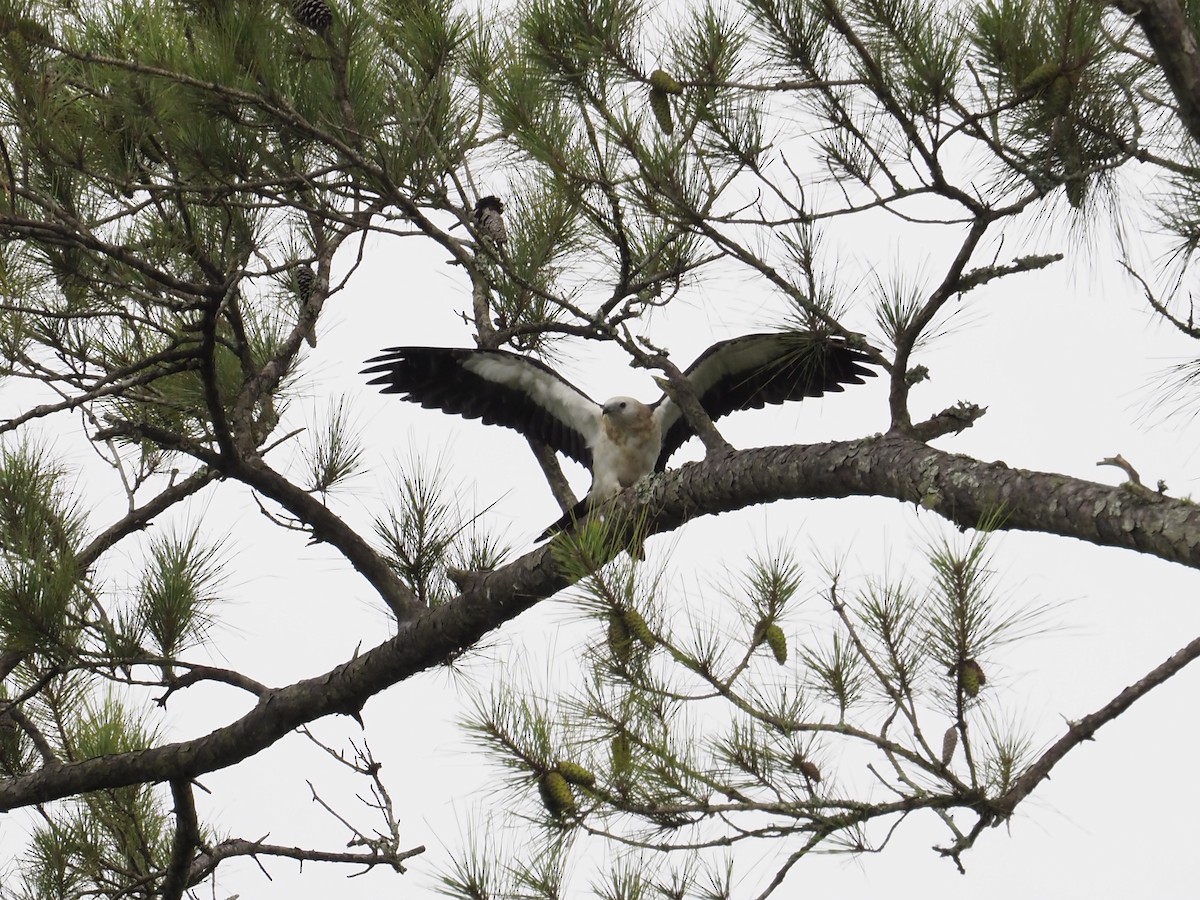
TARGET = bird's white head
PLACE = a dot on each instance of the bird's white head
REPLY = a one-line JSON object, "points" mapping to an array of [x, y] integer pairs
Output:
{"points": [[624, 409]]}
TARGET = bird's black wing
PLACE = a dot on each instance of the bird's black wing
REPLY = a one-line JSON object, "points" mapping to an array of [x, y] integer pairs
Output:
{"points": [[495, 386], [751, 371]]}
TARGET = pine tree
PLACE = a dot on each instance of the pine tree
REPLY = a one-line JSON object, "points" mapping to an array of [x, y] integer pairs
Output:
{"points": [[874, 171]]}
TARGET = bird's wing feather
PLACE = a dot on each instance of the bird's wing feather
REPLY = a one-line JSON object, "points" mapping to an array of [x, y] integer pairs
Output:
{"points": [[751, 371], [495, 386]]}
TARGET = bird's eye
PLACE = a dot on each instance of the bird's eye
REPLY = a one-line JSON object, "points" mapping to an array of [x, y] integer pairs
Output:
{"points": [[622, 404]]}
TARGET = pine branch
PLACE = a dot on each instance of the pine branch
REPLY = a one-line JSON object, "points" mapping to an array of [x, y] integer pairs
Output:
{"points": [[328, 526], [186, 839], [1086, 728], [139, 518], [1170, 33], [237, 847], [961, 489]]}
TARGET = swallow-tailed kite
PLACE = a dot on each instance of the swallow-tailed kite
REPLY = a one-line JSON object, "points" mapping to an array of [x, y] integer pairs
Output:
{"points": [[622, 440]]}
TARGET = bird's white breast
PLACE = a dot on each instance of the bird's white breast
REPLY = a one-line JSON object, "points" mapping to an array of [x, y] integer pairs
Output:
{"points": [[626, 448]]}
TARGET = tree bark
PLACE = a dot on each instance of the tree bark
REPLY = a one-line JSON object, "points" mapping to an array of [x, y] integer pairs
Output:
{"points": [[1171, 36], [964, 490]]}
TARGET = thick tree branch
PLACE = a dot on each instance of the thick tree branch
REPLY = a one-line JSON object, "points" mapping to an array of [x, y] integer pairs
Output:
{"points": [[187, 839], [1169, 32], [962, 489], [547, 459]]}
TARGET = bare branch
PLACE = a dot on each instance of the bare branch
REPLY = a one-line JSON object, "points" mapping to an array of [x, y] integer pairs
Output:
{"points": [[139, 518], [204, 865], [1086, 728]]}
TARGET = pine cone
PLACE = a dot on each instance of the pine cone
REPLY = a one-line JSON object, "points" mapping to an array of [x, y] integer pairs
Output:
{"points": [[556, 794], [777, 641], [314, 14], [660, 103], [305, 279], [806, 768], [1039, 78], [622, 753], [619, 640], [575, 773], [949, 744], [971, 677], [665, 82]]}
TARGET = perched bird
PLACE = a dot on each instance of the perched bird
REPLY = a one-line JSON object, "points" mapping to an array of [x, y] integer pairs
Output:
{"points": [[305, 279], [621, 440], [489, 219]]}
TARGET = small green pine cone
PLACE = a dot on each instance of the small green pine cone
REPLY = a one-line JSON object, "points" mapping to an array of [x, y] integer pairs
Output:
{"points": [[1076, 189], [575, 773], [1058, 97], [660, 103], [556, 794], [622, 753], [665, 82], [760, 632], [1039, 78], [777, 642], [620, 642], [637, 626], [971, 677], [1072, 163]]}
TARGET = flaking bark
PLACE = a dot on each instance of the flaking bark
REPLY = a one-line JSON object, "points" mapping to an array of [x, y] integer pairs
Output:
{"points": [[964, 490]]}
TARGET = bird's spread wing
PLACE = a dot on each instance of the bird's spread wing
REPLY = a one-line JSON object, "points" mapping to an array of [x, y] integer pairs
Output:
{"points": [[751, 371], [495, 386]]}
